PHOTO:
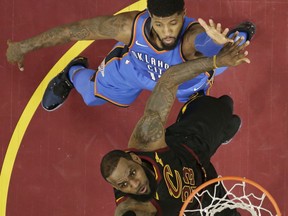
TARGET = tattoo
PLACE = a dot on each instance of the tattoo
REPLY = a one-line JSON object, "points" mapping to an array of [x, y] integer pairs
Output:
{"points": [[46, 39], [80, 33], [103, 27], [51, 38], [48, 36], [113, 26], [149, 128], [162, 99]]}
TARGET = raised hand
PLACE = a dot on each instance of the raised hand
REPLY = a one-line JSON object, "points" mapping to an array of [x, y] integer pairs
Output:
{"points": [[215, 31], [233, 54], [15, 55]]}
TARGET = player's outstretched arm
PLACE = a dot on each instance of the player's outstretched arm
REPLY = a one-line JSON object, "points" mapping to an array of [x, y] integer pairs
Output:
{"points": [[149, 133], [205, 38], [116, 27]]}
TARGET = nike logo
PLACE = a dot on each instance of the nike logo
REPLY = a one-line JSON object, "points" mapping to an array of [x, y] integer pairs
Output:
{"points": [[139, 44], [195, 89]]}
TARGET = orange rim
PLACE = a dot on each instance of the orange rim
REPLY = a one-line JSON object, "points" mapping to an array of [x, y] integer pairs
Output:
{"points": [[230, 178]]}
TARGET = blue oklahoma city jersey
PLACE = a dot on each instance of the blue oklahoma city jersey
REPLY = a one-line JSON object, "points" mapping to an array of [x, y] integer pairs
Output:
{"points": [[128, 69], [152, 63]]}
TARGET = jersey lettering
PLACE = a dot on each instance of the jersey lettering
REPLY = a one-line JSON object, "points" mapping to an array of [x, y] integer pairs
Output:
{"points": [[155, 67], [174, 191], [178, 186], [188, 176]]}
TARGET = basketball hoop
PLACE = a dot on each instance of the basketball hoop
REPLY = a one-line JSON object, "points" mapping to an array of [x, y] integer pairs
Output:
{"points": [[242, 194]]}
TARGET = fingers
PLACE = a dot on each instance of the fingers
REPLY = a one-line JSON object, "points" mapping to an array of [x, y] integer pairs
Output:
{"points": [[243, 57], [238, 41], [238, 47], [225, 32], [234, 35], [247, 60], [203, 24], [218, 27], [244, 45], [211, 22], [14, 55], [243, 60], [211, 25], [21, 66]]}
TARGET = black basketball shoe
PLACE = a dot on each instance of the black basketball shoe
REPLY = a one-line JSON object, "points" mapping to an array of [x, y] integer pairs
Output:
{"points": [[60, 86], [248, 27]]}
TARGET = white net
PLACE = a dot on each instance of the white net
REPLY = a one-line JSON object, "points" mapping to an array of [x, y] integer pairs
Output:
{"points": [[242, 194]]}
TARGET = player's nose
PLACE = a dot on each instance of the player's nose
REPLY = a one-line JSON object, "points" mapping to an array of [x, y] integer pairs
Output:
{"points": [[135, 183]]}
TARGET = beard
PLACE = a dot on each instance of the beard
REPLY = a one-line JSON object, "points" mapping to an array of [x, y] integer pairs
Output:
{"points": [[152, 185], [165, 46]]}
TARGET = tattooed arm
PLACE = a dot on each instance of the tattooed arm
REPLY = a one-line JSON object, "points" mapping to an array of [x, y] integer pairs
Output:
{"points": [[118, 27], [149, 133]]}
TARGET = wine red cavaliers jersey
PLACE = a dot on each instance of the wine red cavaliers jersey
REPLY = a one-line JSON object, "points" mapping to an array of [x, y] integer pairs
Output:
{"points": [[184, 164]]}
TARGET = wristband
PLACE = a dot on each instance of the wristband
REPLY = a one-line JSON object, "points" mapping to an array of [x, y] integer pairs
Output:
{"points": [[214, 62]]}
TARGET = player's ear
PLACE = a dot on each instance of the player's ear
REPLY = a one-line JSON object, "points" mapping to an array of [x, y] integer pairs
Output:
{"points": [[135, 158]]}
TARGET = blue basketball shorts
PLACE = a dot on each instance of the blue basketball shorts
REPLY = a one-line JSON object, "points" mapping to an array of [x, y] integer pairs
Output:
{"points": [[120, 83]]}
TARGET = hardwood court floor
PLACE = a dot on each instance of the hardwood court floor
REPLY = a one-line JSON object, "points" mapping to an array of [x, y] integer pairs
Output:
{"points": [[55, 170]]}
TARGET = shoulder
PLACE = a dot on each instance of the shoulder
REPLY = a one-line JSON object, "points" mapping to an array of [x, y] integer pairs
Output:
{"points": [[188, 42], [126, 21]]}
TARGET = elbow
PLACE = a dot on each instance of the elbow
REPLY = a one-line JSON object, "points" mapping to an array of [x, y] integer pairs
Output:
{"points": [[168, 80]]}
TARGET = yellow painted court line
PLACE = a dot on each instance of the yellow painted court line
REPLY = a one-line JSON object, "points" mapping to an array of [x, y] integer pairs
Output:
{"points": [[31, 107]]}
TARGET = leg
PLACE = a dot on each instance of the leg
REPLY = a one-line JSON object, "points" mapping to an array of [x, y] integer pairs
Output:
{"points": [[81, 78], [103, 89]]}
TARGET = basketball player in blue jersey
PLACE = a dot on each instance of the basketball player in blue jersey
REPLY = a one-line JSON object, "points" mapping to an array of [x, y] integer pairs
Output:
{"points": [[161, 167], [150, 42]]}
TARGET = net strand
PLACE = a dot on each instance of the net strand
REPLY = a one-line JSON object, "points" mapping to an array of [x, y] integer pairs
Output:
{"points": [[246, 201]]}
